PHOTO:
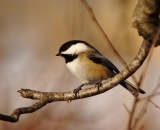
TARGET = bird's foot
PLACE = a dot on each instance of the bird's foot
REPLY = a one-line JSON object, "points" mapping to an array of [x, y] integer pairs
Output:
{"points": [[99, 84], [76, 91]]}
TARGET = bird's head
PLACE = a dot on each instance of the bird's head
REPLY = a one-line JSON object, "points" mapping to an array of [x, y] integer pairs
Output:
{"points": [[73, 47]]}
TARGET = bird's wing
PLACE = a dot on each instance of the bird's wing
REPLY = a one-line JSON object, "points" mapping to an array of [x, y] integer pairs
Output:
{"points": [[98, 58]]}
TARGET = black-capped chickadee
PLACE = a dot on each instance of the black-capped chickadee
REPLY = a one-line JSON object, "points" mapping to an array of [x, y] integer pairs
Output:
{"points": [[90, 66]]}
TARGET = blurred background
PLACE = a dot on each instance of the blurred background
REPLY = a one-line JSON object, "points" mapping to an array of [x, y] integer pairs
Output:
{"points": [[31, 33]]}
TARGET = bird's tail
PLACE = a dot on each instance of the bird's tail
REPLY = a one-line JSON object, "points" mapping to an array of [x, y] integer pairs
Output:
{"points": [[130, 87]]}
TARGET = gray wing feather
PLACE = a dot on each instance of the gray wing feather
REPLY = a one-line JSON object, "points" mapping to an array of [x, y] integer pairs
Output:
{"points": [[109, 64], [98, 58]]}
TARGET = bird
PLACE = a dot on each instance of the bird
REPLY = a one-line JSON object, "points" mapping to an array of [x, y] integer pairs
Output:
{"points": [[90, 66]]}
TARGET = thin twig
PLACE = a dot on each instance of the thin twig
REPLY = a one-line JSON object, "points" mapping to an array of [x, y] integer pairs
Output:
{"points": [[144, 109], [142, 79], [93, 17], [132, 113], [128, 111], [151, 95], [154, 92], [153, 103], [141, 114], [140, 86]]}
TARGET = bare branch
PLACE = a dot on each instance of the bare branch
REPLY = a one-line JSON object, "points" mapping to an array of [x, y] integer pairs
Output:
{"points": [[128, 111], [24, 110], [151, 95], [154, 93], [141, 114], [141, 81], [146, 20], [93, 17], [143, 111], [153, 103], [48, 97]]}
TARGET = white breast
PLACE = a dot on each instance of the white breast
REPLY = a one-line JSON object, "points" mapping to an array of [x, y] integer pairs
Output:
{"points": [[78, 68]]}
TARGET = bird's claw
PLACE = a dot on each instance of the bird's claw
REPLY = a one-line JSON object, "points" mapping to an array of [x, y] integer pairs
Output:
{"points": [[76, 91], [99, 85]]}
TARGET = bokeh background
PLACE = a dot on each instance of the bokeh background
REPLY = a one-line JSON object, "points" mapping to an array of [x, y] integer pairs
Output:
{"points": [[31, 32]]}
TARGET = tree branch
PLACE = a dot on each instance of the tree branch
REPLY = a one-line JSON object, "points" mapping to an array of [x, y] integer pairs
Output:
{"points": [[48, 97], [144, 109], [141, 81], [153, 103]]}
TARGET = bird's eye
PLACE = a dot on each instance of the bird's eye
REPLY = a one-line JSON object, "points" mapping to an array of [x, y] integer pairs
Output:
{"points": [[65, 48]]}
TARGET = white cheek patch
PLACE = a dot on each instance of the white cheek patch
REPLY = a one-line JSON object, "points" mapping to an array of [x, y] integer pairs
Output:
{"points": [[75, 49]]}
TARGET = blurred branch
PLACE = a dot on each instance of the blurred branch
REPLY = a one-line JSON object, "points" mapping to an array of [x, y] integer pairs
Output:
{"points": [[144, 109], [141, 81], [141, 114], [127, 109], [48, 97], [146, 20], [153, 103], [154, 93], [91, 13]]}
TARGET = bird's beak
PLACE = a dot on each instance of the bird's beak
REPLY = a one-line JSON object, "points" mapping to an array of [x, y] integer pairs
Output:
{"points": [[58, 54]]}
